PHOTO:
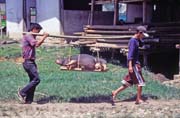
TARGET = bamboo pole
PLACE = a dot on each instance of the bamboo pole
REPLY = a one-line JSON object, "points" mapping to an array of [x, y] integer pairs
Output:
{"points": [[81, 37]]}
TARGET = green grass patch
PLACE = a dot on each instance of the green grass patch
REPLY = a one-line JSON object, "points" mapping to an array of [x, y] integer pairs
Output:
{"points": [[71, 86]]}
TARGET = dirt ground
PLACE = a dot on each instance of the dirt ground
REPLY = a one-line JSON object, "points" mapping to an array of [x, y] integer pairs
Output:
{"points": [[123, 109]]}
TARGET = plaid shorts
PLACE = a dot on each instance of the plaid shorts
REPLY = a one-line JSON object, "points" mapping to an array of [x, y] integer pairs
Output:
{"points": [[134, 78]]}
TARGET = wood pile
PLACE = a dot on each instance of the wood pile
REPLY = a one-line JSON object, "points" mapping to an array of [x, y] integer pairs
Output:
{"points": [[168, 33], [161, 35], [125, 32]]}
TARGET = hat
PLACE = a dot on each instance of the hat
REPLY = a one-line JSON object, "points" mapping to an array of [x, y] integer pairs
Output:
{"points": [[143, 30]]}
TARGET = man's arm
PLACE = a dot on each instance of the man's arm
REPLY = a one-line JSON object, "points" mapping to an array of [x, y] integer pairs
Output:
{"points": [[130, 68], [131, 55], [39, 42]]}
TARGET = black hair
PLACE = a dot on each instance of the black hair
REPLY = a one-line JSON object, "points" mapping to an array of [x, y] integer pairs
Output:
{"points": [[34, 26]]}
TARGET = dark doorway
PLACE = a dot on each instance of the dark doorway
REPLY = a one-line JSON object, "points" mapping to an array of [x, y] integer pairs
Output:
{"points": [[165, 63], [166, 11]]}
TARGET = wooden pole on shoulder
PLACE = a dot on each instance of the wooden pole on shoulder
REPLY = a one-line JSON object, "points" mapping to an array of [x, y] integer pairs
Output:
{"points": [[81, 37]]}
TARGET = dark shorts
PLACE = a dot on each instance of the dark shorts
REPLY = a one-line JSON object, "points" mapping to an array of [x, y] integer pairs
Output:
{"points": [[134, 78]]}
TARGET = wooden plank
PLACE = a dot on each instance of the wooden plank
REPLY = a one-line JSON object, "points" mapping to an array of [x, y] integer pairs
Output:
{"points": [[160, 24], [86, 42], [125, 41], [170, 40], [95, 35], [131, 32], [82, 42], [129, 1], [78, 33], [105, 45], [111, 27], [107, 35], [150, 40], [166, 28], [172, 35], [100, 2], [110, 32], [65, 68]]}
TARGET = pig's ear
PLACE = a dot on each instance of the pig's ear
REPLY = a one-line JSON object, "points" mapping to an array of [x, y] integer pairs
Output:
{"points": [[59, 60]]}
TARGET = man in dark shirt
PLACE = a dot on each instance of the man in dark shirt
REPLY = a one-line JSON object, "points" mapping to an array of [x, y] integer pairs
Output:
{"points": [[134, 76], [29, 44], [84, 62]]}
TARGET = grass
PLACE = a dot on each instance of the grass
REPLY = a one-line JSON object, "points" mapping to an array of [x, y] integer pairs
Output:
{"points": [[70, 86]]}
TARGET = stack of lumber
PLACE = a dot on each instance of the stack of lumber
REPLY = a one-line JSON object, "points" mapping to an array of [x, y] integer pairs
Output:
{"points": [[168, 33], [123, 33]]}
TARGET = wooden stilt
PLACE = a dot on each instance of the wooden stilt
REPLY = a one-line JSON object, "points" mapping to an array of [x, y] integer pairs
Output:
{"points": [[144, 11], [116, 12], [178, 75], [92, 12]]}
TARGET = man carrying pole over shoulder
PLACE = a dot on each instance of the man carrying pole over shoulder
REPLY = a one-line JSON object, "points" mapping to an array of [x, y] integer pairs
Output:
{"points": [[29, 45]]}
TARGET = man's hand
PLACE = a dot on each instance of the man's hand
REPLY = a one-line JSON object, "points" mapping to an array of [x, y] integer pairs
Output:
{"points": [[45, 34], [130, 69]]}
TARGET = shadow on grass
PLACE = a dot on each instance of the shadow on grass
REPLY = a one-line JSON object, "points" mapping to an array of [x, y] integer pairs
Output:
{"points": [[144, 97], [92, 99], [49, 99], [107, 99]]}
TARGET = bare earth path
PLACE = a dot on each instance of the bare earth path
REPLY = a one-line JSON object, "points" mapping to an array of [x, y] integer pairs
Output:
{"points": [[152, 109]]}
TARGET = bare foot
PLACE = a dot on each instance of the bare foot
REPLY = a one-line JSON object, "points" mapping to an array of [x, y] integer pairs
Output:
{"points": [[140, 101], [113, 98]]}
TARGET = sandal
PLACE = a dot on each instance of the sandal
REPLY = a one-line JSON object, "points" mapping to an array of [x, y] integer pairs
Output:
{"points": [[20, 97]]}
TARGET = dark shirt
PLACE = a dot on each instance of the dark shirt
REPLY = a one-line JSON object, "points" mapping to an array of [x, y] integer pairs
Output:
{"points": [[28, 47], [133, 53]]}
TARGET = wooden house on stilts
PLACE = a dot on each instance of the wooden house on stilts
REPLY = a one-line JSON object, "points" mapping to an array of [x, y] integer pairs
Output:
{"points": [[161, 19]]}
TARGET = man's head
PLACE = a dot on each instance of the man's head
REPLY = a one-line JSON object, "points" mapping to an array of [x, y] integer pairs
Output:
{"points": [[35, 27], [141, 31]]}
